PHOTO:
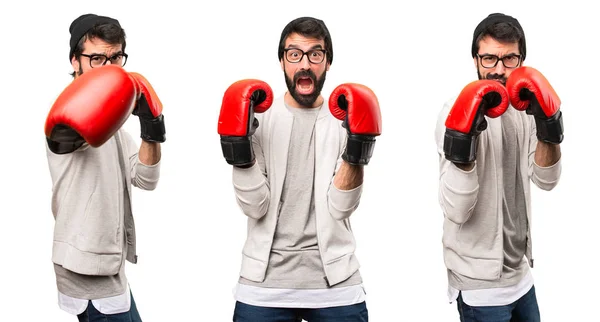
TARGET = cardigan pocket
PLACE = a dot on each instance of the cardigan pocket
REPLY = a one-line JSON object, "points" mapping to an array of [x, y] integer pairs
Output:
{"points": [[470, 251], [489, 269], [88, 237], [337, 259]]}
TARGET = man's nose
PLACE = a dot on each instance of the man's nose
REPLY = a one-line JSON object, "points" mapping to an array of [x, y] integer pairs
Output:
{"points": [[499, 69], [304, 63]]}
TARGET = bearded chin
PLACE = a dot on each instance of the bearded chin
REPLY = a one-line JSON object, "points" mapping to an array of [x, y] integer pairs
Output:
{"points": [[305, 100]]}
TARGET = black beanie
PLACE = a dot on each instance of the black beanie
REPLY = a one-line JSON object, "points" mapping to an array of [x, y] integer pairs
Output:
{"points": [[495, 18], [80, 26]]}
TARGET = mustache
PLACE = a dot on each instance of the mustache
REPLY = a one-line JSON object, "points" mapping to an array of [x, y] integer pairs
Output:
{"points": [[305, 73], [501, 77]]}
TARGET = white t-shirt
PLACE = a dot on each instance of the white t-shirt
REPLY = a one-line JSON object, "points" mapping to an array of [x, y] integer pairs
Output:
{"points": [[494, 296], [108, 305], [299, 298]]}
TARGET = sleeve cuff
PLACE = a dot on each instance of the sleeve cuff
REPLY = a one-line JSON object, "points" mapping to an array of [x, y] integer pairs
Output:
{"points": [[344, 200], [460, 179], [148, 173], [247, 177], [547, 175]]}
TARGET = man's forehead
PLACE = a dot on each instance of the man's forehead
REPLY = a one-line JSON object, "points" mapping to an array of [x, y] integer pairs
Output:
{"points": [[100, 46], [489, 43], [297, 40]]}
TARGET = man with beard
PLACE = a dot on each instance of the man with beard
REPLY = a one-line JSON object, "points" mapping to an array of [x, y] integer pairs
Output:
{"points": [[298, 175], [93, 165], [501, 133]]}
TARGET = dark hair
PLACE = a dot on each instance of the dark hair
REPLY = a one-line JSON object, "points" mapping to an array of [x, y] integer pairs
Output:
{"points": [[110, 33], [308, 27], [502, 28]]}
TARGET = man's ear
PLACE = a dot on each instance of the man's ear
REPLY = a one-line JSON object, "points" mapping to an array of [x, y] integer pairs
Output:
{"points": [[75, 63]]}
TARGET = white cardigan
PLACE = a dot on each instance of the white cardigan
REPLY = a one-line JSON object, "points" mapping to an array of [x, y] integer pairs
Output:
{"points": [[87, 204], [258, 193], [472, 200]]}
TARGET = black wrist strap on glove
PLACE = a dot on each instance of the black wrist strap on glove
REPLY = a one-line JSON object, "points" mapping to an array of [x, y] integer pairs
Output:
{"points": [[550, 130], [460, 147], [153, 130], [238, 150], [359, 149]]}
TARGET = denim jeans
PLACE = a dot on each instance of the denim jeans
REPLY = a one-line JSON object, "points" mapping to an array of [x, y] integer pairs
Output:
{"points": [[524, 309], [351, 313], [92, 315]]}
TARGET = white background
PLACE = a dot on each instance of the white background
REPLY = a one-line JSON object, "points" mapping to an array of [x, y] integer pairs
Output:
{"points": [[191, 232]]}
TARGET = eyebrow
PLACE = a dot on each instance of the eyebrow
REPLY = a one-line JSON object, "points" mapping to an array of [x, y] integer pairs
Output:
{"points": [[318, 46], [103, 54], [507, 55]]}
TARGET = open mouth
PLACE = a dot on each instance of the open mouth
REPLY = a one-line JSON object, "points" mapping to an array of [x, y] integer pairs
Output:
{"points": [[305, 85]]}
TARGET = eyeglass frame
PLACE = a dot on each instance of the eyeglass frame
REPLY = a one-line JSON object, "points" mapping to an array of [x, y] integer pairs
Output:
{"points": [[285, 50], [123, 55], [499, 59]]}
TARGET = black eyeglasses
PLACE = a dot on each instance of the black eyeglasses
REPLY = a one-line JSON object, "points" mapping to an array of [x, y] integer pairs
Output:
{"points": [[295, 55], [97, 60], [490, 61]]}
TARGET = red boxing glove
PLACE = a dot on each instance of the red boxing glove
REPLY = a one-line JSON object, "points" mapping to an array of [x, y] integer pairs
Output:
{"points": [[148, 109], [466, 119], [530, 91], [237, 123], [91, 109], [357, 106]]}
